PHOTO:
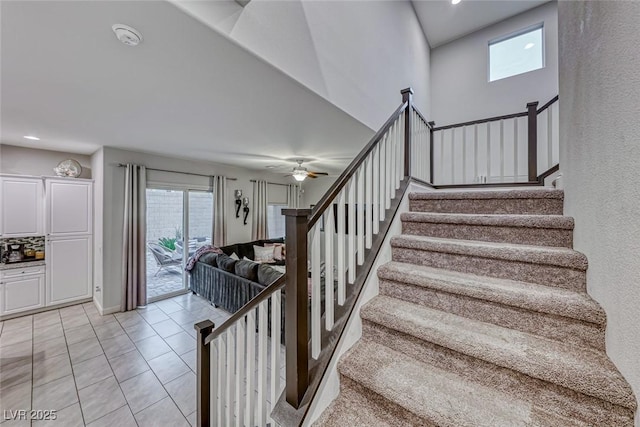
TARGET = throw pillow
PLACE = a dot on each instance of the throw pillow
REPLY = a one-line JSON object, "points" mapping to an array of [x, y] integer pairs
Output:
{"points": [[209, 258], [263, 254], [267, 275], [226, 263], [247, 269], [278, 250], [234, 256]]}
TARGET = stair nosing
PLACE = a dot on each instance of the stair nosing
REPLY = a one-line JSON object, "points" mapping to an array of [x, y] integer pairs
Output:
{"points": [[378, 306], [529, 254], [554, 222], [488, 195], [593, 313]]}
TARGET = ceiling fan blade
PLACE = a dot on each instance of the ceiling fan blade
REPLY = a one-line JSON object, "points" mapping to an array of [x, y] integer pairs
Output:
{"points": [[320, 173], [311, 175]]}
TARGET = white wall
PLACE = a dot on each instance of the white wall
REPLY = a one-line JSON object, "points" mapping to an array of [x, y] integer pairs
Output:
{"points": [[460, 85], [357, 55], [29, 161], [97, 167], [600, 154], [114, 205]]}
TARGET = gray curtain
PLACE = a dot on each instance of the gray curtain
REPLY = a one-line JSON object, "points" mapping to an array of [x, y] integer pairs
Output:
{"points": [[259, 211], [219, 185], [293, 196], [134, 258]]}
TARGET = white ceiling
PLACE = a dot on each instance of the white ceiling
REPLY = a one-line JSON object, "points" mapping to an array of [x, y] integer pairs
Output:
{"points": [[443, 22], [185, 91]]}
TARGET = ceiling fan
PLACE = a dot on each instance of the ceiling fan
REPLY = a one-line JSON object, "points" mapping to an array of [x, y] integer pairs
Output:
{"points": [[299, 173]]}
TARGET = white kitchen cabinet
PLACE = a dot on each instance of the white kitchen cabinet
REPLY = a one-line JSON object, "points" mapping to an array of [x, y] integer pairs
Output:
{"points": [[69, 269], [22, 207], [69, 207], [21, 289]]}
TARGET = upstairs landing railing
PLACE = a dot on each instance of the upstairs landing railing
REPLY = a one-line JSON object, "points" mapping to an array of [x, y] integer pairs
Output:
{"points": [[330, 253]]}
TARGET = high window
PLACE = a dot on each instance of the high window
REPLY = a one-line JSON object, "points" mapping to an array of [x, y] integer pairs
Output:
{"points": [[516, 53]]}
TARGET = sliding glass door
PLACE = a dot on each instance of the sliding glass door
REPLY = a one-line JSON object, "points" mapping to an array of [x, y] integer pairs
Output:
{"points": [[178, 223]]}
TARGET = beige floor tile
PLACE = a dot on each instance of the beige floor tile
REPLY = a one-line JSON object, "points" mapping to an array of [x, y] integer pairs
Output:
{"points": [[190, 359], [84, 350], [56, 395], [51, 368], [168, 367], [142, 391], [46, 318], [108, 330], [81, 333], [15, 397], [71, 416], [15, 336], [152, 347], [75, 321], [181, 342], [91, 371], [140, 332], [18, 323], [116, 346], [121, 417], [128, 365], [183, 392], [44, 333], [163, 413], [15, 371], [154, 316], [100, 398], [49, 348]]}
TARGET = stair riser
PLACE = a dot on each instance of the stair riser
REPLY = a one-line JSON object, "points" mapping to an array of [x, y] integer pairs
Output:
{"points": [[488, 233], [489, 206], [547, 325], [551, 397], [543, 274]]}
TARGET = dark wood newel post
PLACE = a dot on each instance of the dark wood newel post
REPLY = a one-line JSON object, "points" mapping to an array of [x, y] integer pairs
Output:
{"points": [[296, 305], [532, 114], [203, 367], [407, 96], [431, 126]]}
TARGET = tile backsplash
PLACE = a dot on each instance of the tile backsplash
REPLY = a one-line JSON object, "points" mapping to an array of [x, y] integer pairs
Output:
{"points": [[36, 243]]}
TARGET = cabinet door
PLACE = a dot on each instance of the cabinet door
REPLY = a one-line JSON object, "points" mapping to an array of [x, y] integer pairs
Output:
{"points": [[69, 270], [22, 207], [69, 207], [22, 293]]}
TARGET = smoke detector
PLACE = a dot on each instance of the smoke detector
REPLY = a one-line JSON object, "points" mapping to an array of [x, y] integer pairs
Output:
{"points": [[127, 35]]}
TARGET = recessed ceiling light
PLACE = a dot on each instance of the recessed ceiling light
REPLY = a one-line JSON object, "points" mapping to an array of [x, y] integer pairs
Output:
{"points": [[455, 1], [31, 137], [529, 45]]}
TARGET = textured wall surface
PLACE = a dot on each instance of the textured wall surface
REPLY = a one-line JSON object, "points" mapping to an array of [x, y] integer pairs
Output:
{"points": [[600, 155]]}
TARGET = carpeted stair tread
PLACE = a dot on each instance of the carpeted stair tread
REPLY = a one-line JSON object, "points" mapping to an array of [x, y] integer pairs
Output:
{"points": [[580, 369], [530, 296], [483, 195], [437, 396], [560, 257], [529, 221], [357, 406]]}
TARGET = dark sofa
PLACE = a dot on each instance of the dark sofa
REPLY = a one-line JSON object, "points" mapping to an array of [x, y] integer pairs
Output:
{"points": [[228, 283]]}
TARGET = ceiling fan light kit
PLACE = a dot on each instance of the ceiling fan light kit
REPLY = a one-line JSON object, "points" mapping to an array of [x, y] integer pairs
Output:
{"points": [[299, 173]]}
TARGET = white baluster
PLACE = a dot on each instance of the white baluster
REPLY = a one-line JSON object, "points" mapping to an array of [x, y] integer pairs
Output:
{"points": [[262, 363], [315, 290], [501, 150], [222, 380], [392, 166], [376, 189], [476, 153], [360, 216], [488, 151], [383, 183], [442, 169], [351, 230], [368, 207], [241, 336], [453, 155], [515, 150], [214, 412], [464, 155], [251, 369], [276, 325], [341, 246], [549, 137], [231, 373], [328, 270]]}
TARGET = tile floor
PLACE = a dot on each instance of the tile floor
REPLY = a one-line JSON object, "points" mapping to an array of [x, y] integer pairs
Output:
{"points": [[129, 369]]}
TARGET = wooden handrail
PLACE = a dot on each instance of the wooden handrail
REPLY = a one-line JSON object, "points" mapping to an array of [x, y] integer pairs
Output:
{"points": [[251, 305], [339, 183], [548, 104]]}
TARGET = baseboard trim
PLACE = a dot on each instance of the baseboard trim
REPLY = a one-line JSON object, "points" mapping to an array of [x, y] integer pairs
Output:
{"points": [[105, 311]]}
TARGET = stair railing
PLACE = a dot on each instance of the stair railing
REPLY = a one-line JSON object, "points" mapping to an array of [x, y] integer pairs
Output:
{"points": [[330, 253], [503, 150], [240, 363]]}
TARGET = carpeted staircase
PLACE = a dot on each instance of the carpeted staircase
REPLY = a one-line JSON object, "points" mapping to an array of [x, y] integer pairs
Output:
{"points": [[482, 320]]}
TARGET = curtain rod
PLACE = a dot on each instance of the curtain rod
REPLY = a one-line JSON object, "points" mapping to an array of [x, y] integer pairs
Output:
{"points": [[271, 183], [121, 165]]}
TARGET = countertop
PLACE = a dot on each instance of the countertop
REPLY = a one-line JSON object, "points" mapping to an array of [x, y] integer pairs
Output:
{"points": [[21, 264]]}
